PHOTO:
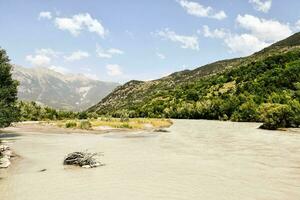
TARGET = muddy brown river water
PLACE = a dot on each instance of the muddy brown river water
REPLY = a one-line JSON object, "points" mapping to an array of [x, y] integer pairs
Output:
{"points": [[207, 160]]}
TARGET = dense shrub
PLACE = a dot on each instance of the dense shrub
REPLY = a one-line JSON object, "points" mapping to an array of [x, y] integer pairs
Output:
{"points": [[275, 116], [71, 124], [85, 124], [83, 115], [247, 112], [92, 115], [295, 118], [125, 125]]}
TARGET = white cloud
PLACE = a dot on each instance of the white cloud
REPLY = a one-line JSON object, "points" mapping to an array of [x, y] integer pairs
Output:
{"points": [[42, 57], [262, 5], [198, 10], [113, 70], [115, 51], [69, 25], [48, 52], [266, 30], [187, 42], [45, 15], [102, 53], [38, 60], [77, 55], [161, 56], [259, 33], [216, 33], [79, 22], [59, 69], [244, 44], [220, 15]]}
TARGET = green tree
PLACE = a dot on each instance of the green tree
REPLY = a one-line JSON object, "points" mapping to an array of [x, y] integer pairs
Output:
{"points": [[274, 115], [295, 119], [82, 115], [246, 112], [8, 92], [192, 95]]}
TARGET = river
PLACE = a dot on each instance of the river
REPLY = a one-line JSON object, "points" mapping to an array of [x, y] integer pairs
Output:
{"points": [[196, 159]]}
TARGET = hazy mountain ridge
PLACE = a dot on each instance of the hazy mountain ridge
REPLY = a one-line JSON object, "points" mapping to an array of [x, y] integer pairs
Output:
{"points": [[137, 95], [62, 91]]}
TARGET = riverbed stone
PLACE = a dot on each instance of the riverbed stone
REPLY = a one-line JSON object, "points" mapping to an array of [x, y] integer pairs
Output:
{"points": [[4, 162], [7, 153], [3, 147]]}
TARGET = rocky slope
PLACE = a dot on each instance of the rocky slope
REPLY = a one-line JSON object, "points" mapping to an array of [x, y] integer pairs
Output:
{"points": [[62, 91]]}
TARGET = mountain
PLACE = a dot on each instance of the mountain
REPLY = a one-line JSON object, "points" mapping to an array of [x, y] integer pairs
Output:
{"points": [[62, 91], [237, 89]]}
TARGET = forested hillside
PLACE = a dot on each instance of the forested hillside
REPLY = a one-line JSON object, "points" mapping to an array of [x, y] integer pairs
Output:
{"points": [[262, 87]]}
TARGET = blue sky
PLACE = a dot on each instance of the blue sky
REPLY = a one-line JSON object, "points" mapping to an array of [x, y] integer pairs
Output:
{"points": [[117, 40]]}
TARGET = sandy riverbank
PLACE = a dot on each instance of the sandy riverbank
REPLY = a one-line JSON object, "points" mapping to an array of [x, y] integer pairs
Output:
{"points": [[195, 160], [35, 127], [103, 127]]}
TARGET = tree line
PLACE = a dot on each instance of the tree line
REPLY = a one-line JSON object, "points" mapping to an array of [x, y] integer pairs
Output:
{"points": [[31, 111]]}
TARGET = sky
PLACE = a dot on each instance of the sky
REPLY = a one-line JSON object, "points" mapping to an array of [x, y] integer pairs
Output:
{"points": [[118, 40]]}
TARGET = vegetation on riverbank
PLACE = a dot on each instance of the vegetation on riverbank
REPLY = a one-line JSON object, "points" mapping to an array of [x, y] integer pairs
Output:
{"points": [[31, 111], [108, 123], [264, 88]]}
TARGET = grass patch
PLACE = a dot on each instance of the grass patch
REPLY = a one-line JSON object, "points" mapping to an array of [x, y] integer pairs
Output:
{"points": [[70, 124], [131, 123], [85, 124]]}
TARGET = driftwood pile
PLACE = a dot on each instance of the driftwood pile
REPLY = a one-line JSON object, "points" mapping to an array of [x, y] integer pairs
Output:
{"points": [[82, 159]]}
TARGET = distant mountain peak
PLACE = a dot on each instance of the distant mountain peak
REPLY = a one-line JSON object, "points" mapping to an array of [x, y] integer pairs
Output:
{"points": [[62, 91]]}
